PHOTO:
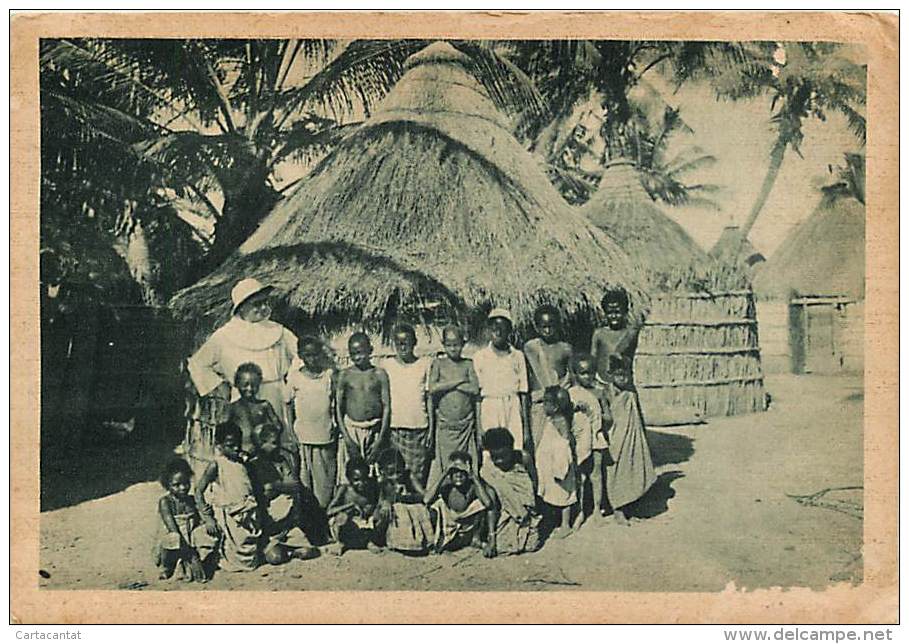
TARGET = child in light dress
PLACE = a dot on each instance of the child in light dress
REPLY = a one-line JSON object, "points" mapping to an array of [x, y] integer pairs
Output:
{"points": [[555, 461], [182, 542]]}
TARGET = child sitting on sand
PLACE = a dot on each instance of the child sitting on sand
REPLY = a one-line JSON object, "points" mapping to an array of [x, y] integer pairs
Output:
{"points": [[510, 475], [276, 477], [249, 411], [465, 512], [182, 535], [363, 404], [350, 513], [402, 521], [229, 510], [555, 460], [455, 389], [630, 473]]}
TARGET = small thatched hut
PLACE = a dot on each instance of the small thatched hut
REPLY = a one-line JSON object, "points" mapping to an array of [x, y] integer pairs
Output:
{"points": [[698, 352], [431, 201], [732, 250], [812, 289]]}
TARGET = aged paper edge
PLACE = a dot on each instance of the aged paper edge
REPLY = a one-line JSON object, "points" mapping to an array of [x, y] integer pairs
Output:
{"points": [[874, 601]]}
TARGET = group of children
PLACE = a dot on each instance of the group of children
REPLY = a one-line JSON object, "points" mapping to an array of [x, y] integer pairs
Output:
{"points": [[415, 454]]}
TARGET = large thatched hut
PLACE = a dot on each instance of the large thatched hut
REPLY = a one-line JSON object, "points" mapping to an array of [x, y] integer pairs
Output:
{"points": [[430, 205], [812, 289], [698, 353]]}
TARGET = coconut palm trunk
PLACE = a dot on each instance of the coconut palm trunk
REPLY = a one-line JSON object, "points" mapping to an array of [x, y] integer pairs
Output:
{"points": [[773, 170]]}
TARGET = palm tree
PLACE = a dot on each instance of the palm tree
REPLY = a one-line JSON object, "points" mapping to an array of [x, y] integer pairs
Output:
{"points": [[803, 80]]}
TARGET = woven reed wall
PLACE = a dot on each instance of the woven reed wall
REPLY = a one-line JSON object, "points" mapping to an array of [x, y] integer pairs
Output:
{"points": [[699, 356]]}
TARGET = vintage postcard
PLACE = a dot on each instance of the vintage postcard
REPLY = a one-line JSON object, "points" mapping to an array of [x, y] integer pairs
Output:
{"points": [[454, 317]]}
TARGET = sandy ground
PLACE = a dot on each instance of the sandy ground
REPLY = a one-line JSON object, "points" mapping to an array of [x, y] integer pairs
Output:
{"points": [[719, 513]]}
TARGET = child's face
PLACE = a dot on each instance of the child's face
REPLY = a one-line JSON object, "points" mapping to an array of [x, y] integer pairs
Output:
{"points": [[584, 373], [502, 458], [501, 331], [248, 385], [359, 481], [548, 327], [310, 354], [269, 444], [390, 472], [459, 476], [179, 484], [404, 344], [615, 315], [550, 406], [230, 446], [360, 354], [453, 345]]}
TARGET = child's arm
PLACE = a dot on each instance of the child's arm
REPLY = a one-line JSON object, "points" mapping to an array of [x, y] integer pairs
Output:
{"points": [[385, 393], [530, 465], [432, 492], [339, 501], [471, 386], [417, 487], [273, 417], [490, 550], [167, 515], [333, 403], [339, 414], [438, 384], [208, 517]]}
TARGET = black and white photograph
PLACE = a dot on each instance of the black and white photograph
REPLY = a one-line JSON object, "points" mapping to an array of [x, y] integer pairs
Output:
{"points": [[451, 314]]}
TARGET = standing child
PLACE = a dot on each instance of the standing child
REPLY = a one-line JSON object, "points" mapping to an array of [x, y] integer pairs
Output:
{"points": [[631, 473], [465, 512], [589, 429], [350, 513], [402, 521], [555, 460], [276, 475], [510, 473], [311, 392], [249, 411], [407, 377], [363, 405], [182, 535], [230, 511], [454, 389], [548, 357], [502, 374]]}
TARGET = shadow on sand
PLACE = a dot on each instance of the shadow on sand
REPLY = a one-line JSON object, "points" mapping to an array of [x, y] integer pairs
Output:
{"points": [[656, 501], [669, 448]]}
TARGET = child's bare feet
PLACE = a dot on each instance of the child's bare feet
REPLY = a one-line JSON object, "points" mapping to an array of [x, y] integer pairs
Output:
{"points": [[305, 553], [620, 518], [374, 549], [337, 549], [561, 532]]}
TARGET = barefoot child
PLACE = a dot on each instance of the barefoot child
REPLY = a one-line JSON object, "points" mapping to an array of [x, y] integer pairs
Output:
{"points": [[548, 357], [510, 475], [363, 404], [276, 478], [402, 521], [249, 411], [229, 510], [182, 535], [630, 474], [350, 513], [311, 394], [555, 460], [588, 428], [502, 374], [407, 377], [465, 512]]}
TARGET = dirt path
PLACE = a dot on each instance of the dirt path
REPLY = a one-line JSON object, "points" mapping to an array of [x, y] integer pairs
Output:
{"points": [[718, 514]]}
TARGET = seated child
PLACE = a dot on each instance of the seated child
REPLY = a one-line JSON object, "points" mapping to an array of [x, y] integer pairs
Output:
{"points": [[350, 513], [510, 474], [555, 460], [181, 535], [229, 510], [588, 429], [249, 411], [363, 404], [629, 474], [275, 473], [464, 509], [402, 521], [455, 392]]}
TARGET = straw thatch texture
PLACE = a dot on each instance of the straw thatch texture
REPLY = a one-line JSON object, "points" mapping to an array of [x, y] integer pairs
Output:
{"points": [[436, 189], [824, 255], [730, 249], [698, 356]]}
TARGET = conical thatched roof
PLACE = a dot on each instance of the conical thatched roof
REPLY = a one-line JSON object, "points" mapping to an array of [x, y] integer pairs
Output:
{"points": [[824, 255], [435, 192], [654, 242], [730, 246]]}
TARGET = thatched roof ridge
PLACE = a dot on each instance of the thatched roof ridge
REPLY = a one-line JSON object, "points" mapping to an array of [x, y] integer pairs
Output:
{"points": [[436, 185], [823, 255], [623, 209]]}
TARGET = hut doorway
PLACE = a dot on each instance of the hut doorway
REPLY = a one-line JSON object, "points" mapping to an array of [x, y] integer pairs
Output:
{"points": [[815, 325]]}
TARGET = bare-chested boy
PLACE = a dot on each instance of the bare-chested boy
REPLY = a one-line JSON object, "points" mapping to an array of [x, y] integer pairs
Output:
{"points": [[548, 359], [455, 392], [363, 403]]}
